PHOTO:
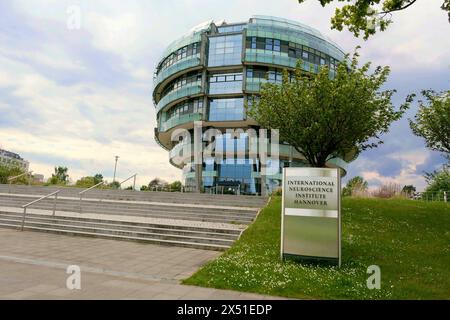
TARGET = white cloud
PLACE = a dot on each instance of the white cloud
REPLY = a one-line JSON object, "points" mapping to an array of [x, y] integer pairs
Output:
{"points": [[408, 174], [90, 157]]}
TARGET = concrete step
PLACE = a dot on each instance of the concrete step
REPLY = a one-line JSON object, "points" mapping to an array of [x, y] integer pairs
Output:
{"points": [[203, 218], [115, 230], [128, 205], [186, 213], [126, 225], [112, 237], [177, 197], [178, 219], [118, 232]]}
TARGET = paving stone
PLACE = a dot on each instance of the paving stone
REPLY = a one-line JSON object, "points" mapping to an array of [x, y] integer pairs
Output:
{"points": [[41, 288], [19, 295], [104, 273], [123, 284]]}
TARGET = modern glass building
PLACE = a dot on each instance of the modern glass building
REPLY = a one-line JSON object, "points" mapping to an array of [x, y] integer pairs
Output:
{"points": [[206, 77]]}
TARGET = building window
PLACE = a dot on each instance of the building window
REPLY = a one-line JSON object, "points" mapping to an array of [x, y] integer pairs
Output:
{"points": [[185, 107], [226, 109], [225, 50], [269, 44], [253, 43], [257, 72], [305, 55], [233, 28], [264, 74], [293, 50], [189, 79], [225, 83], [276, 45], [182, 53]]}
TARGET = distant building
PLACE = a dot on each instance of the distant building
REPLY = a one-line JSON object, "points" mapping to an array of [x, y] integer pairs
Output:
{"points": [[11, 159], [38, 178]]}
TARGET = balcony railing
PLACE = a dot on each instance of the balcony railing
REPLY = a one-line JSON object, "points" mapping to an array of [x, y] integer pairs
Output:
{"points": [[190, 62], [307, 37], [173, 122], [268, 57], [180, 93]]}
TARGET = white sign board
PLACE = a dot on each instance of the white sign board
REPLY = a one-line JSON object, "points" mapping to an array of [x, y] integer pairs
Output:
{"points": [[311, 219]]}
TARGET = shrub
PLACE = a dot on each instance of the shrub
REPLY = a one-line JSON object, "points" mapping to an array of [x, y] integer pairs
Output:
{"points": [[388, 190]]}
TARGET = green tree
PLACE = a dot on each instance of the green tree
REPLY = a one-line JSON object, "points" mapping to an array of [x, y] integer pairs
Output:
{"points": [[432, 122], [354, 185], [98, 178], [325, 117], [114, 185], [157, 183], [7, 172], [365, 16], [409, 190], [60, 176], [86, 182], [438, 180], [176, 186]]}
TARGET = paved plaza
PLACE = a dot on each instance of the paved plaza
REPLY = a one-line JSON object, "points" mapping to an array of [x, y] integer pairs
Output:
{"points": [[33, 266]]}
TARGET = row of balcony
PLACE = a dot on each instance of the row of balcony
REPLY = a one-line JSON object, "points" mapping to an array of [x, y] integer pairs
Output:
{"points": [[251, 56], [176, 121], [183, 154], [187, 63], [191, 90], [296, 36], [251, 85], [214, 174]]}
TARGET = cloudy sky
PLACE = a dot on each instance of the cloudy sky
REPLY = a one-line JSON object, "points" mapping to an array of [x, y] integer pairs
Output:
{"points": [[78, 97]]}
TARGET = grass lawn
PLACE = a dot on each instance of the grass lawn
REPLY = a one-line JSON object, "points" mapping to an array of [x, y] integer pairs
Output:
{"points": [[409, 240]]}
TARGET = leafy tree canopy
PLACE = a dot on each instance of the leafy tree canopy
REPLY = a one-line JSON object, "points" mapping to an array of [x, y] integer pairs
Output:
{"points": [[157, 182], [366, 16], [176, 186], [325, 117], [432, 121], [98, 178], [410, 189], [354, 185], [114, 185], [7, 172], [87, 182], [438, 180], [60, 176]]}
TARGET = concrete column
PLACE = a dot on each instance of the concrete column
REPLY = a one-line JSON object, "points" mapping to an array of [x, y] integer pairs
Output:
{"points": [[262, 170], [198, 177], [263, 186], [198, 155]]}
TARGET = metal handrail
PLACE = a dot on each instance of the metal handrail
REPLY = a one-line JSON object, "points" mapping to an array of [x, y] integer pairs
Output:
{"points": [[36, 201], [129, 178], [10, 180], [88, 189]]}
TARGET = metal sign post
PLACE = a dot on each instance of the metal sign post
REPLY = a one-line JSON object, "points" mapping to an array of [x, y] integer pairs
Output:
{"points": [[311, 214]]}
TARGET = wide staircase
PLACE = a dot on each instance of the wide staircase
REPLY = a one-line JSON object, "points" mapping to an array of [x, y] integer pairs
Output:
{"points": [[201, 221]]}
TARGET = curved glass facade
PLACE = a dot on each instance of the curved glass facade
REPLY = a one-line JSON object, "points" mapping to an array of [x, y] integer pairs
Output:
{"points": [[206, 76]]}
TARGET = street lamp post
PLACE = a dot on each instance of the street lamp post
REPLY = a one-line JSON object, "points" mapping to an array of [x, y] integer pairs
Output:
{"points": [[115, 169]]}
